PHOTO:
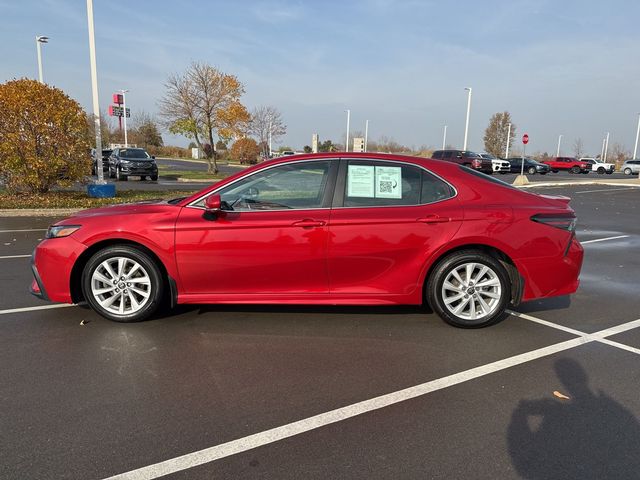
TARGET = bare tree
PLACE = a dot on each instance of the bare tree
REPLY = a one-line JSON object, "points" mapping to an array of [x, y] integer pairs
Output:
{"points": [[266, 120], [179, 108], [578, 147]]}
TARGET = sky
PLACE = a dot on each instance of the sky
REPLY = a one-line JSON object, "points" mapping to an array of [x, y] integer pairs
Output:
{"points": [[567, 67]]}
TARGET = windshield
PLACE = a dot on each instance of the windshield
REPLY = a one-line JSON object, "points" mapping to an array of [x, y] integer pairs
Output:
{"points": [[134, 153]]}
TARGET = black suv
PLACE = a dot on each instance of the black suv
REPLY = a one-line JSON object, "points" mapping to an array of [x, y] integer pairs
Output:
{"points": [[106, 152], [530, 166], [466, 158], [124, 162]]}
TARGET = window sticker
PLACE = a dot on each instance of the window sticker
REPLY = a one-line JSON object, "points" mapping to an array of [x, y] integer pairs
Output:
{"points": [[388, 182], [360, 181]]}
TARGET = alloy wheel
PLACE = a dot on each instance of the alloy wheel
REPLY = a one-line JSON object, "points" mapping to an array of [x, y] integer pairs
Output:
{"points": [[121, 286], [471, 291]]}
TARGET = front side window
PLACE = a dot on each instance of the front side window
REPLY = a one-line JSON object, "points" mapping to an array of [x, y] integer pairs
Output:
{"points": [[293, 186]]}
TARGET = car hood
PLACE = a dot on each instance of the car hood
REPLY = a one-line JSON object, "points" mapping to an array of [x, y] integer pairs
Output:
{"points": [[134, 159], [136, 208]]}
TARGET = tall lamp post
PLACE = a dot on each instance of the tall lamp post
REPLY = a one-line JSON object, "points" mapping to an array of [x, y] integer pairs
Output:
{"points": [[466, 125], [366, 134], [606, 147], [558, 150], [346, 146], [40, 39], [506, 151], [635, 148], [444, 138], [124, 114]]}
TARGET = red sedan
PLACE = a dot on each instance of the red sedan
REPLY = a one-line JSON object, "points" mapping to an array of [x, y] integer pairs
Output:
{"points": [[339, 229]]}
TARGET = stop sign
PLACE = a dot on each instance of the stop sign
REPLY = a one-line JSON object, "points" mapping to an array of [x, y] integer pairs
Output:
{"points": [[525, 138]]}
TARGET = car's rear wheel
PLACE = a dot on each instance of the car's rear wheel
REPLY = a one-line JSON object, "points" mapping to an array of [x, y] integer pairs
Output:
{"points": [[627, 171], [154, 178], [121, 177], [555, 171], [122, 283], [111, 174], [531, 171], [575, 169], [601, 171], [469, 289]]}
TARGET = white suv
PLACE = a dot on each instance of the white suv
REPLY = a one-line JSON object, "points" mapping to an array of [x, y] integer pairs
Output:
{"points": [[498, 164], [599, 166]]}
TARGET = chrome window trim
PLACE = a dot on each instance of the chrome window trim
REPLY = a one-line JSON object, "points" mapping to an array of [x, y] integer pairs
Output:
{"points": [[331, 159]]}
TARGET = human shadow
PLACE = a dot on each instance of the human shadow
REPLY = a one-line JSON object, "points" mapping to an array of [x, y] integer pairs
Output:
{"points": [[588, 436]]}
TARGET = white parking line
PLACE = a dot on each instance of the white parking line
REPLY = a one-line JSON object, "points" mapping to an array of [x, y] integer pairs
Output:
{"points": [[33, 309], [603, 239], [596, 337], [608, 190], [5, 257], [25, 230], [266, 437]]}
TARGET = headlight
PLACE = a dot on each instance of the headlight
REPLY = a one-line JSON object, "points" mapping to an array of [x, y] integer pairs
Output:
{"points": [[125, 162], [58, 231]]}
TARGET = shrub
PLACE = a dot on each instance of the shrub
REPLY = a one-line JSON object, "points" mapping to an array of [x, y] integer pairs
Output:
{"points": [[44, 139], [245, 150]]}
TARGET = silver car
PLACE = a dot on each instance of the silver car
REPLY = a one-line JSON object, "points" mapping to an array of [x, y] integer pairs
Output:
{"points": [[630, 166]]}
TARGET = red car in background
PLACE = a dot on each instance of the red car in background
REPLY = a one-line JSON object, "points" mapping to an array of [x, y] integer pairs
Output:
{"points": [[572, 165], [334, 228]]}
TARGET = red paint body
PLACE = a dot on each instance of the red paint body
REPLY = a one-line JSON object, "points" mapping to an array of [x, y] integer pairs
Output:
{"points": [[566, 163], [358, 256]]}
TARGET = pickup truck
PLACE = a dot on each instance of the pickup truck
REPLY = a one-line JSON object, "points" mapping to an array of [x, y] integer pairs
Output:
{"points": [[599, 166], [465, 157], [572, 165]]}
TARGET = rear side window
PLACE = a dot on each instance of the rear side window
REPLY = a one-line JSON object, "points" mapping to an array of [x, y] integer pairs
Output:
{"points": [[437, 154], [448, 154], [377, 184]]}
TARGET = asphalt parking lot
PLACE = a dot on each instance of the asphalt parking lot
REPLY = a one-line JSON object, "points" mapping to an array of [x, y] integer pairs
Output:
{"points": [[308, 392]]}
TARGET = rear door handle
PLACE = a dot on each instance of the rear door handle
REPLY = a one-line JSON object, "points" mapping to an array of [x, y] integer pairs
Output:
{"points": [[308, 222], [433, 219]]}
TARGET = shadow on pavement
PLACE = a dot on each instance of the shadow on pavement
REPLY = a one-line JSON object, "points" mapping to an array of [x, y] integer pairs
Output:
{"points": [[588, 436]]}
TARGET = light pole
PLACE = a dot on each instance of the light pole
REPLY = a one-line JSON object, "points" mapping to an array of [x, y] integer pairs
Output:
{"points": [[606, 147], [40, 39], [635, 148], [346, 146], [559, 140], [94, 91], [124, 114], [366, 134], [466, 125], [506, 152], [270, 154], [444, 138]]}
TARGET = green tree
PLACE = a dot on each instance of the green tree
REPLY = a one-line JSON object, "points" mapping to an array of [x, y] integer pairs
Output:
{"points": [[44, 137], [245, 150], [495, 135]]}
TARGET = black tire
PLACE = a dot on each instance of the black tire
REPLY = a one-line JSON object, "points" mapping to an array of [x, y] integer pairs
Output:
{"points": [[142, 178], [627, 171], [121, 177], [610, 172], [155, 289], [555, 171], [601, 171], [435, 295], [154, 178], [575, 169], [543, 173], [111, 173], [531, 171]]}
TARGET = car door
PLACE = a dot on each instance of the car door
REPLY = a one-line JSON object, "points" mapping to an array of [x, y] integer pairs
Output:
{"points": [[387, 220], [271, 239]]}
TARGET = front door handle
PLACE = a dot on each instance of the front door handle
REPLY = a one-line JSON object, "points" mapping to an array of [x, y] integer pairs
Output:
{"points": [[308, 223], [433, 219]]}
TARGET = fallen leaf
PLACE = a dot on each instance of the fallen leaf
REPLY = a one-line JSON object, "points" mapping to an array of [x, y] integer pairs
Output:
{"points": [[560, 395]]}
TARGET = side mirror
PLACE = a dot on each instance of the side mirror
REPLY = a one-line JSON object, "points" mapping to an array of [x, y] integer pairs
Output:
{"points": [[213, 203]]}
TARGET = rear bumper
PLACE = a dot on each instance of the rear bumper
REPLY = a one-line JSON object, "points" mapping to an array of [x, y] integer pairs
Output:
{"points": [[552, 276]]}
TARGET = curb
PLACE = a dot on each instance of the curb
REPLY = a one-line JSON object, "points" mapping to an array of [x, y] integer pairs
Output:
{"points": [[37, 212], [622, 183]]}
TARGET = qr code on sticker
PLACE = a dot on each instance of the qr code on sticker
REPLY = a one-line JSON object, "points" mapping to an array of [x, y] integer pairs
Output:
{"points": [[386, 187]]}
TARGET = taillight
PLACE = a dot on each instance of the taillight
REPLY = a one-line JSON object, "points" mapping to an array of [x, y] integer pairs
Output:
{"points": [[476, 162], [563, 221]]}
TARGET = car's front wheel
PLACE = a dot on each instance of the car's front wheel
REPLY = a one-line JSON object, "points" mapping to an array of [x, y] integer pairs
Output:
{"points": [[574, 170], [121, 176], [469, 289], [122, 283], [531, 171], [627, 171]]}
